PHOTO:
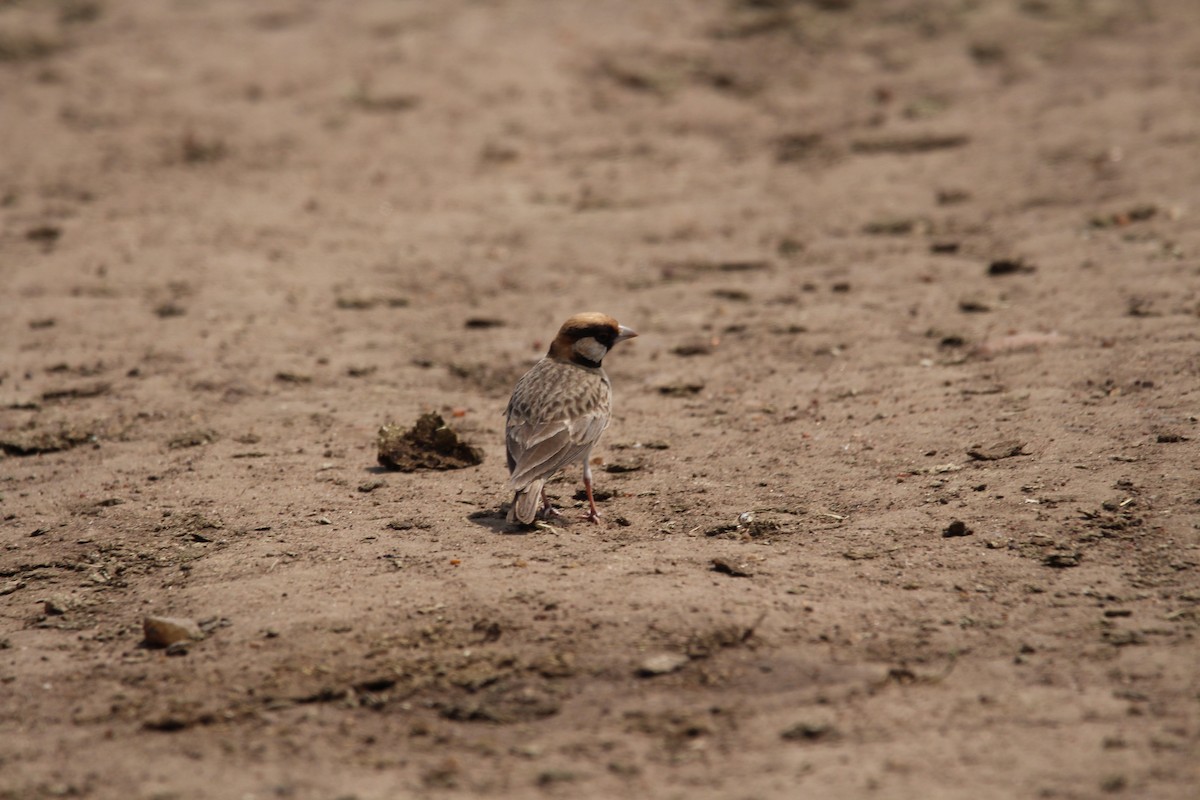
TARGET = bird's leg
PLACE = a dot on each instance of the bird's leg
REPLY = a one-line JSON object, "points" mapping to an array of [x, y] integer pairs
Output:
{"points": [[548, 511], [592, 515]]}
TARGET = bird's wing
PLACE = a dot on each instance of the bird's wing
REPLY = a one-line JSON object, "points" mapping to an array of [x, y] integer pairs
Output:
{"points": [[540, 449]]}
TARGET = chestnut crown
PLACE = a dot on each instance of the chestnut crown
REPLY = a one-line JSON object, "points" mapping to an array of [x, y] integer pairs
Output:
{"points": [[586, 338]]}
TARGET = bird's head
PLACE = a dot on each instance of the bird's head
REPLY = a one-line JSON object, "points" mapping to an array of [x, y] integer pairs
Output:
{"points": [[586, 338]]}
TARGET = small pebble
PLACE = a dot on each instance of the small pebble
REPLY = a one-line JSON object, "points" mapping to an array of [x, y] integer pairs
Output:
{"points": [[166, 631], [661, 664]]}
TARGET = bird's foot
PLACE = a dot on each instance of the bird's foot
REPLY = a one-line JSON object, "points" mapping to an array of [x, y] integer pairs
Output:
{"points": [[550, 512], [592, 516]]}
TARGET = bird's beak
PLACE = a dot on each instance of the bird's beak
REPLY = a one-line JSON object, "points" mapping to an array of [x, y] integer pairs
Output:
{"points": [[624, 333]]}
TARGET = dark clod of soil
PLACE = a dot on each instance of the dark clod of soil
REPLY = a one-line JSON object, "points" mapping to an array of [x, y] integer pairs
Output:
{"points": [[809, 732], [727, 567], [483, 323], [193, 438], [956, 528], [32, 442], [681, 389], [45, 234], [1009, 266], [430, 444], [1062, 560]]}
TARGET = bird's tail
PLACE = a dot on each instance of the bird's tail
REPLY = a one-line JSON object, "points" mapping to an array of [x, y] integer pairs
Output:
{"points": [[526, 503]]}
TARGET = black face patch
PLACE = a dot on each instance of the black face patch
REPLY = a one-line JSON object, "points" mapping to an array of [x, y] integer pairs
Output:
{"points": [[604, 334]]}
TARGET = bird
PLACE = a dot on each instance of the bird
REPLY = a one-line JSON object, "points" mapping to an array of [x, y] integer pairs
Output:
{"points": [[557, 412]]}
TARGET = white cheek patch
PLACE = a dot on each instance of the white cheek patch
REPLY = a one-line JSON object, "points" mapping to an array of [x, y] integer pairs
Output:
{"points": [[590, 349]]}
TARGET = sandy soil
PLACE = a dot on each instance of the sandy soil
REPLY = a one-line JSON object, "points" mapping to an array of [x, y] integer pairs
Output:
{"points": [[895, 265]]}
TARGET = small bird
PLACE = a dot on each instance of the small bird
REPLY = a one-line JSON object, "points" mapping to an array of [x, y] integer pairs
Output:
{"points": [[558, 411]]}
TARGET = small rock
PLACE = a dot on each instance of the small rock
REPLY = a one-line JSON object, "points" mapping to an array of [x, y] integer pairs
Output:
{"points": [[193, 438], [808, 732], [994, 452], [1009, 266], [727, 567], [482, 323], [57, 605], [1062, 560], [1124, 638], [859, 554], [681, 389], [371, 486], [324, 521], [956, 528], [11, 586], [661, 664], [166, 631]]}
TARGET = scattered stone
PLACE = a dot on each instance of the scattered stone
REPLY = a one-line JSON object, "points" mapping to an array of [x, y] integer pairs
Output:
{"points": [[895, 226], [1124, 638], [11, 586], [1062, 560], [859, 554], [994, 452], [905, 145], [483, 323], [797, 146], [1170, 438], [430, 444], [973, 305], [292, 377], [693, 349], [809, 732], [956, 528], [57, 605], [166, 631], [681, 389], [324, 521], [951, 197], [1009, 266], [1139, 213], [193, 438], [661, 664], [76, 392], [553, 777], [44, 234], [407, 524], [370, 486], [727, 567], [1017, 343]]}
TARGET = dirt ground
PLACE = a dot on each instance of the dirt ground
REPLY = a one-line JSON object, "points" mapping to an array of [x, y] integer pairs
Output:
{"points": [[900, 493]]}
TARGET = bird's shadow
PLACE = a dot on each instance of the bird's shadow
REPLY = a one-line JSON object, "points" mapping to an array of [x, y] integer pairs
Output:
{"points": [[496, 520]]}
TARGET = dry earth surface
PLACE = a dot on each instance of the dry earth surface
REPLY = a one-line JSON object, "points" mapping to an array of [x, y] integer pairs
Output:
{"points": [[902, 270]]}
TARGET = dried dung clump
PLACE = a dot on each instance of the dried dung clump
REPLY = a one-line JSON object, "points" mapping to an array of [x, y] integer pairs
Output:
{"points": [[430, 444]]}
